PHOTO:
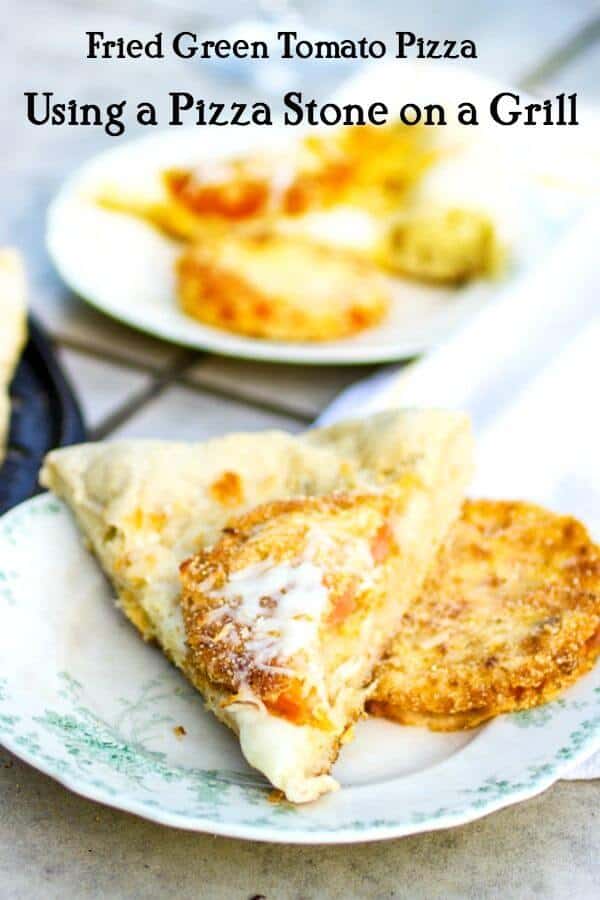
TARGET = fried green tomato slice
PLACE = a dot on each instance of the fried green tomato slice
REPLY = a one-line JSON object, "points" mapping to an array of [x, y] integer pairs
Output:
{"points": [[509, 617]]}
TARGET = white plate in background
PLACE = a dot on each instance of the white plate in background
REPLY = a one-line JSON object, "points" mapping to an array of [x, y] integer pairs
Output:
{"points": [[124, 267]]}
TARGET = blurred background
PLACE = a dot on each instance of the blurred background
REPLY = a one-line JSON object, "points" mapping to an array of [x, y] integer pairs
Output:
{"points": [[545, 46]]}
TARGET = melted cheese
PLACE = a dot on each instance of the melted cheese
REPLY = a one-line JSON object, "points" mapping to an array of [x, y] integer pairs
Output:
{"points": [[354, 557], [344, 227], [289, 621], [285, 752]]}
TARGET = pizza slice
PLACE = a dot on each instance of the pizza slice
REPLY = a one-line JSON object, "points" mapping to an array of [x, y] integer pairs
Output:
{"points": [[298, 558], [280, 287]]}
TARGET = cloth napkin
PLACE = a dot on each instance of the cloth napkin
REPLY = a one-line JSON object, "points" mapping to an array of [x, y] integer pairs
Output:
{"points": [[527, 369]]}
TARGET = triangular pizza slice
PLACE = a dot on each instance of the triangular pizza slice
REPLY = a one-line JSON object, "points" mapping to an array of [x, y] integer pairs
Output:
{"points": [[299, 557]]}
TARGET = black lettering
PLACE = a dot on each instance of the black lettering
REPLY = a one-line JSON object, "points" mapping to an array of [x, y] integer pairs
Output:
{"points": [[410, 114], [146, 114], [434, 114], [292, 101], [181, 101], [37, 116], [330, 114], [498, 112], [90, 114], [135, 49], [261, 114], [223, 49], [531, 109], [238, 110], [240, 48], [378, 114], [432, 50], [59, 113], [95, 39], [183, 48], [377, 50], [286, 37], [115, 126], [153, 48], [467, 114], [216, 110], [405, 39], [449, 50]]}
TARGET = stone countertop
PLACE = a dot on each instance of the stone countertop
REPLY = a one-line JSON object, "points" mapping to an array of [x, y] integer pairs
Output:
{"points": [[54, 844]]}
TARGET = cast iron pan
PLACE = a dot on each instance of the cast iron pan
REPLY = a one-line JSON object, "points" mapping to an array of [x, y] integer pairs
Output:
{"points": [[44, 414]]}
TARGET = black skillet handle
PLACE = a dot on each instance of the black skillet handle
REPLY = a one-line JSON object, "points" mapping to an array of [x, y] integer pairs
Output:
{"points": [[45, 414]]}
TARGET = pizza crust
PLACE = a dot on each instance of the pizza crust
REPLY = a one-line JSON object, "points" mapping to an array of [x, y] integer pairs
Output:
{"points": [[12, 333]]}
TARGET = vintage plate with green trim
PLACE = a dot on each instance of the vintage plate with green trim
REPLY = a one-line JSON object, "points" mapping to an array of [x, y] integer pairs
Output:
{"points": [[84, 700]]}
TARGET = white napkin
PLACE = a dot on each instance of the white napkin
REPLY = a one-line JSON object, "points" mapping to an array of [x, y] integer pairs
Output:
{"points": [[527, 369]]}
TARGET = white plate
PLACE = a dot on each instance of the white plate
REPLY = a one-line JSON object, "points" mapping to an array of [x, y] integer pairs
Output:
{"points": [[83, 699], [125, 268]]}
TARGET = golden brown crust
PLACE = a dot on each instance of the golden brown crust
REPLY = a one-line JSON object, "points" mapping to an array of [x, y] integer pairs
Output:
{"points": [[263, 283], [509, 616], [228, 489]]}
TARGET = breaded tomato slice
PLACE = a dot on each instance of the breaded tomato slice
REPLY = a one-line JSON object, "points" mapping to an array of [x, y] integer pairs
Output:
{"points": [[271, 285], [509, 617], [288, 615]]}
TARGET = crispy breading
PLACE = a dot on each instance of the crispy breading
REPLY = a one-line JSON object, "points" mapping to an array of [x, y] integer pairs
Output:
{"points": [[509, 616], [267, 284], [325, 565]]}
